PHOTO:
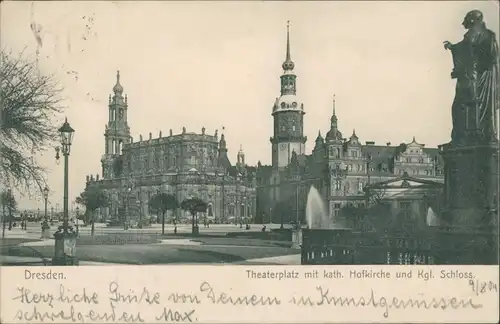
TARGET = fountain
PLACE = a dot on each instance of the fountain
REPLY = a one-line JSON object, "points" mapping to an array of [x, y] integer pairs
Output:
{"points": [[317, 214], [317, 217]]}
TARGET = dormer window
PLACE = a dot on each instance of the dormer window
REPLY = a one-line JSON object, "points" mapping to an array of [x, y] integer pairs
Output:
{"points": [[283, 105]]}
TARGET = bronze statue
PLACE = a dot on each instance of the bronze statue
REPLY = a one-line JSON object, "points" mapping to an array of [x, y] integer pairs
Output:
{"points": [[475, 66]]}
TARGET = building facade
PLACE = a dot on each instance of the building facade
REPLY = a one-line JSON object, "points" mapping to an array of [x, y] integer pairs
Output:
{"points": [[185, 165], [197, 164], [338, 167]]}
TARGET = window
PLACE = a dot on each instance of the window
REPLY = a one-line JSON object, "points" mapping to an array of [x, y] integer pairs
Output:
{"points": [[337, 185], [405, 209], [336, 209], [360, 186], [338, 153], [293, 128], [358, 167], [355, 153]]}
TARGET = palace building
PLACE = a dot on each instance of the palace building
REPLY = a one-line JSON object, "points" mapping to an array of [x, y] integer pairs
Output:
{"points": [[186, 165], [338, 167]]}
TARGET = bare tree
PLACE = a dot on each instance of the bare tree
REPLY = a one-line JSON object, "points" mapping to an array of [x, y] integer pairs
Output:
{"points": [[28, 103]]}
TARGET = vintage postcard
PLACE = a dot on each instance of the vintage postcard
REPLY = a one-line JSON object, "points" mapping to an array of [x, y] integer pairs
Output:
{"points": [[249, 161]]}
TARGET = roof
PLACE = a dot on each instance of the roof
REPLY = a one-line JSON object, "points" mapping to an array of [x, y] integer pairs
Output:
{"points": [[405, 181]]}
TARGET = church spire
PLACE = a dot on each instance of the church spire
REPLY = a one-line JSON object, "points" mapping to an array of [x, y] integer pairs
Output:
{"points": [[118, 89], [334, 116], [334, 132], [288, 65]]}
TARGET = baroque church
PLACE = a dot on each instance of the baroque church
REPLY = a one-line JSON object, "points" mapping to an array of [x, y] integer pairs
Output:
{"points": [[185, 165], [338, 167], [197, 164]]}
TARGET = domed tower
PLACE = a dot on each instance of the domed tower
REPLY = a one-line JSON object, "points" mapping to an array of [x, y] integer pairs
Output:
{"points": [[319, 148], [223, 160], [117, 131], [240, 158], [288, 113], [333, 139]]}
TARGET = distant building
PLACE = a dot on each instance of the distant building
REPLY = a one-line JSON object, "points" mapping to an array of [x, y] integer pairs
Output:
{"points": [[185, 165], [338, 167]]}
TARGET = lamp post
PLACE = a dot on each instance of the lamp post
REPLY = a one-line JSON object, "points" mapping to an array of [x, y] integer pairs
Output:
{"points": [[242, 212], [65, 237], [45, 224], [77, 215], [128, 190]]}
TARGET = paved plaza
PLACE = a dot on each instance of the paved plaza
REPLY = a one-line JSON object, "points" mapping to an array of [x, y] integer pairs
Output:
{"points": [[219, 244]]}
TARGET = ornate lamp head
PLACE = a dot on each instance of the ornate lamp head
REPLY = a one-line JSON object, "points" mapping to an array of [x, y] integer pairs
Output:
{"points": [[66, 134], [46, 193]]}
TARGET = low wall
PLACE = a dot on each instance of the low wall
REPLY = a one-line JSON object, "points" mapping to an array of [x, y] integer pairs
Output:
{"points": [[429, 246]]}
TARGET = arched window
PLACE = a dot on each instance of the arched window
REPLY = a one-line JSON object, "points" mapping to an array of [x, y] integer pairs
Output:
{"points": [[210, 210]]}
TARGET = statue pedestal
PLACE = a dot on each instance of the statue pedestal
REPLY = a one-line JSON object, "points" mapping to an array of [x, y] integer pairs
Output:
{"points": [[471, 186], [65, 248], [45, 230], [471, 201], [297, 238]]}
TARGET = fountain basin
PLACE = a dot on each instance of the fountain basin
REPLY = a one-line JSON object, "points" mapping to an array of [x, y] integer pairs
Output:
{"points": [[297, 238]]}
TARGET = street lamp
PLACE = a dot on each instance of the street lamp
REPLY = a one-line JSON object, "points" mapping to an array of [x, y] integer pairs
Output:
{"points": [[126, 198], [77, 215], [65, 237], [45, 224]]}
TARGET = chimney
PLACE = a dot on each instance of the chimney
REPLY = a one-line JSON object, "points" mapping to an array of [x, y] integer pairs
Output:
{"points": [[370, 143], [388, 143]]}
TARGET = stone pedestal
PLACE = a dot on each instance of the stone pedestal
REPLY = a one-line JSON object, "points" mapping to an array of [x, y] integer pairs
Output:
{"points": [[46, 233], [65, 248], [471, 186], [45, 230], [297, 238], [471, 201]]}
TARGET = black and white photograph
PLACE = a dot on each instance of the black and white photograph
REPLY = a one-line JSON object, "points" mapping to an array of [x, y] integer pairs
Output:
{"points": [[249, 133]]}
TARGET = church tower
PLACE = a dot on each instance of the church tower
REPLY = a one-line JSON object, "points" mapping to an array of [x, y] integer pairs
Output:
{"points": [[288, 114], [117, 131], [334, 140], [240, 157]]}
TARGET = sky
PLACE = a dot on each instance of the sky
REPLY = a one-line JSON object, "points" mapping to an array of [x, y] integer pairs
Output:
{"points": [[217, 64]]}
